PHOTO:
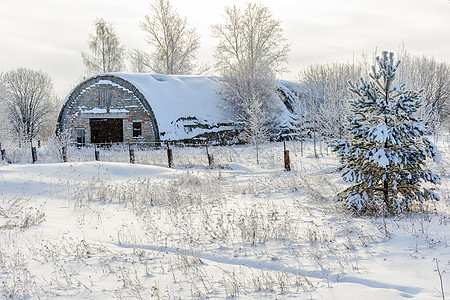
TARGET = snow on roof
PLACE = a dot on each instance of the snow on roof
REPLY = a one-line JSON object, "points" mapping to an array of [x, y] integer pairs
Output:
{"points": [[175, 99]]}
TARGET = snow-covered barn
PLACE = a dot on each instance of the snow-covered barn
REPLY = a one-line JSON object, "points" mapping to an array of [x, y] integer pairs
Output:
{"points": [[121, 107]]}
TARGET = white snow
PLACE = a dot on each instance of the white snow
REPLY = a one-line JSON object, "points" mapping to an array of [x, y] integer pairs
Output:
{"points": [[174, 98], [379, 157], [434, 152], [98, 110], [113, 230], [379, 133]]}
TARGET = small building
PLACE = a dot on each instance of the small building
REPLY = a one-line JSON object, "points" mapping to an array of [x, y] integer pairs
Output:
{"points": [[116, 107]]}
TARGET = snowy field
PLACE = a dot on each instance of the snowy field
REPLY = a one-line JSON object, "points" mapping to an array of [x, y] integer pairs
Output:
{"points": [[113, 230]]}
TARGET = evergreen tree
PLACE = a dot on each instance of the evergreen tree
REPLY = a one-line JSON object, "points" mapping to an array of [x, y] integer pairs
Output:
{"points": [[385, 158]]}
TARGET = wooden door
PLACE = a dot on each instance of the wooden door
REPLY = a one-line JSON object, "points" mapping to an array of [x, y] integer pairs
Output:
{"points": [[106, 130]]}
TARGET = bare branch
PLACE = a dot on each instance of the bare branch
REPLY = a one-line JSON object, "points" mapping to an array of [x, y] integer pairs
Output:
{"points": [[27, 95], [251, 51], [175, 44], [107, 51]]}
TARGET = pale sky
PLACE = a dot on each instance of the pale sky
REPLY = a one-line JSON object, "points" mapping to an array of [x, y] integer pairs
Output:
{"points": [[49, 35]]}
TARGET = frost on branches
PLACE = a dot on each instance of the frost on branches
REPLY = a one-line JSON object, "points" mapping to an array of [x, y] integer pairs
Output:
{"points": [[385, 158]]}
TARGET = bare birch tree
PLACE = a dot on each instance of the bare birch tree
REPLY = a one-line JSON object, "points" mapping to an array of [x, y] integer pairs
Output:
{"points": [[108, 53], [174, 43], [140, 61], [27, 96], [251, 51], [311, 103]]}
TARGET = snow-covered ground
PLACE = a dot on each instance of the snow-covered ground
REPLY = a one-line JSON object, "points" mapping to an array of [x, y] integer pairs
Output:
{"points": [[113, 230]]}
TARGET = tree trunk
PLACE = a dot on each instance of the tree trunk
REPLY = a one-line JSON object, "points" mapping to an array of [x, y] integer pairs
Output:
{"points": [[386, 195], [301, 147], [257, 152], [315, 144]]}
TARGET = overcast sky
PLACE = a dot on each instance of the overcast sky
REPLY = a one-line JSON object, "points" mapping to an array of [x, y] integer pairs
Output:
{"points": [[49, 35]]}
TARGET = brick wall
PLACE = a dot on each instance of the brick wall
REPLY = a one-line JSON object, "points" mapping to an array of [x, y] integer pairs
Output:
{"points": [[108, 100]]}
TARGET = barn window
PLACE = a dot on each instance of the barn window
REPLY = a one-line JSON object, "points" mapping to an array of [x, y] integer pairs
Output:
{"points": [[80, 137], [137, 129], [104, 98]]}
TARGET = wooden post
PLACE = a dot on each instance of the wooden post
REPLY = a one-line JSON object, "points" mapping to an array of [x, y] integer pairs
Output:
{"points": [[64, 154], [210, 157], [96, 153], [169, 155], [3, 154], [33, 154], [287, 160], [131, 151]]}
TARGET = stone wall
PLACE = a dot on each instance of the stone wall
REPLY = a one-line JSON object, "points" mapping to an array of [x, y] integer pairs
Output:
{"points": [[106, 99]]}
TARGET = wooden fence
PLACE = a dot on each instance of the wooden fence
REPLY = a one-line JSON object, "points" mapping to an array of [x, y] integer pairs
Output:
{"points": [[167, 153]]}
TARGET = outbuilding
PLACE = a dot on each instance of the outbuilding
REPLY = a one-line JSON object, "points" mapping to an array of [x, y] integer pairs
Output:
{"points": [[117, 107]]}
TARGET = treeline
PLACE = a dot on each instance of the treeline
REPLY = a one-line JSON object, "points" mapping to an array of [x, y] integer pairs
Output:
{"points": [[324, 100], [250, 52]]}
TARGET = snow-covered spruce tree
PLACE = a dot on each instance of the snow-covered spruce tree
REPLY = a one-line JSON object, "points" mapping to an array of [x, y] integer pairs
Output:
{"points": [[385, 158]]}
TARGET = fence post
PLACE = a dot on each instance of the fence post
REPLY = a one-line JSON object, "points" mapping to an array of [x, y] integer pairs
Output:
{"points": [[169, 155], [97, 154], [64, 154], [33, 154], [131, 151], [210, 157], [287, 160]]}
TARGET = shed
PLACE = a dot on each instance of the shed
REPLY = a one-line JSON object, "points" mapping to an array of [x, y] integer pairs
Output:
{"points": [[119, 107]]}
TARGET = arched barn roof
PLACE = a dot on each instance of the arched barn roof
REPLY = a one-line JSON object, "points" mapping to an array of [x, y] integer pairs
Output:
{"points": [[180, 98], [171, 101], [166, 99]]}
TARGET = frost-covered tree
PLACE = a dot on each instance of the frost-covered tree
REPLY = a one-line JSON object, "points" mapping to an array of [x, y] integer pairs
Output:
{"points": [[174, 43], [4, 128], [140, 61], [326, 96], [256, 128], [28, 97], [311, 103], [251, 51], [421, 72], [385, 158], [108, 53]]}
